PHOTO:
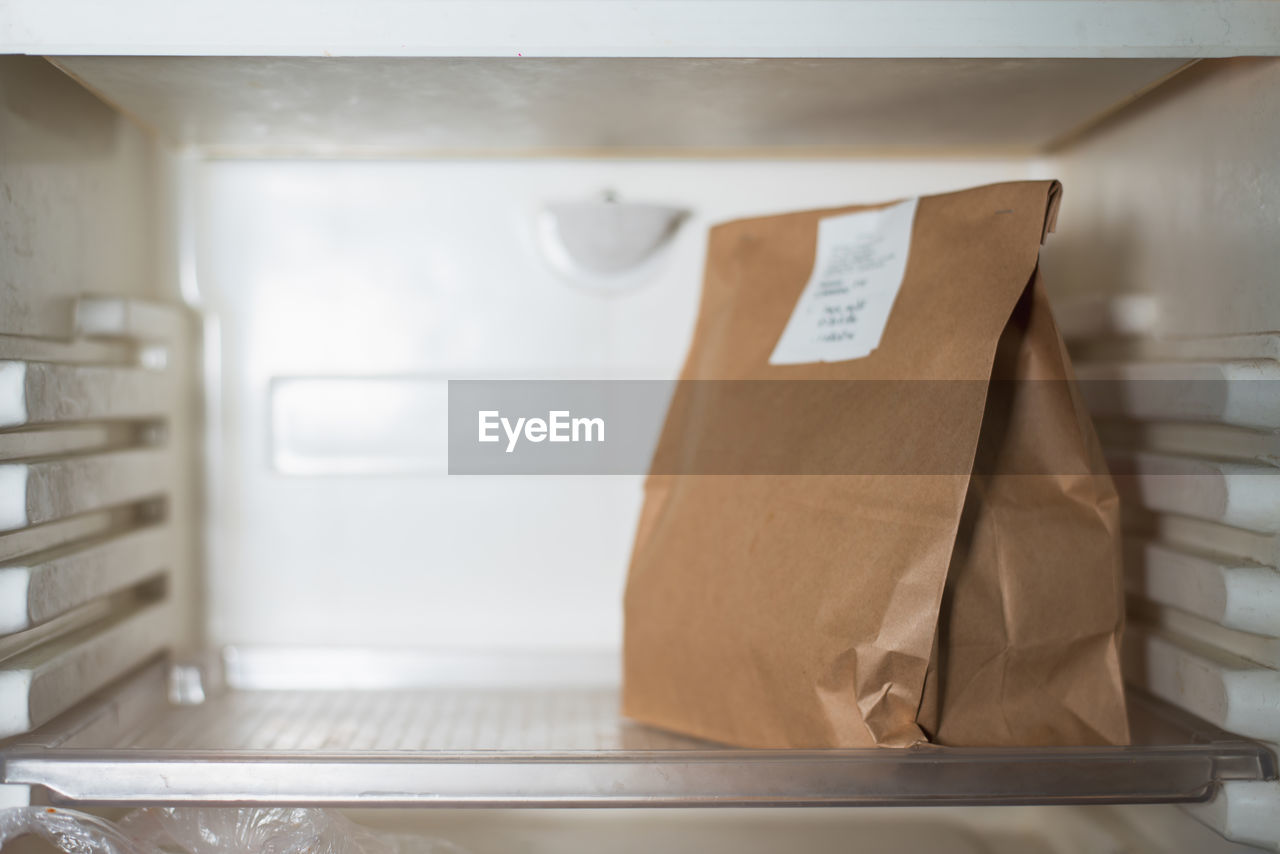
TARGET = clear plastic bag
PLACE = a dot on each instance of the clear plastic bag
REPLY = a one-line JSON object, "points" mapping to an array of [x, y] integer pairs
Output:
{"points": [[191, 830]]}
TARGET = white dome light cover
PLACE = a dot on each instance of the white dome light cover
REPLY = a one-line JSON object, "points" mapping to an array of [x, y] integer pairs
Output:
{"points": [[605, 243]]}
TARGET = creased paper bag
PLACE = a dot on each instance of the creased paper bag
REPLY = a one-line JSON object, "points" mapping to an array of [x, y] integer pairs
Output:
{"points": [[931, 552]]}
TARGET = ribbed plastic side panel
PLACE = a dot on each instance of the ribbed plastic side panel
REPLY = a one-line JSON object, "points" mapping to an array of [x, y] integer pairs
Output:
{"points": [[87, 478], [1191, 427]]}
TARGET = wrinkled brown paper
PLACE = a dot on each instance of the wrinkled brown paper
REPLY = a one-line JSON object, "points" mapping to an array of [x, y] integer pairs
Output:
{"points": [[976, 606]]}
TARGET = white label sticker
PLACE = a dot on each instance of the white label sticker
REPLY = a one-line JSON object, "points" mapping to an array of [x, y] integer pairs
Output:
{"points": [[857, 272]]}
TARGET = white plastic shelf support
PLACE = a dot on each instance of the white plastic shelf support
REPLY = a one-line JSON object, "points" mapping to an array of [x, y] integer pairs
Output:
{"points": [[1107, 314], [1243, 496], [625, 28], [41, 491], [36, 590], [1228, 691], [1241, 393], [1229, 591], [36, 393], [39, 684], [1244, 811], [115, 317]]}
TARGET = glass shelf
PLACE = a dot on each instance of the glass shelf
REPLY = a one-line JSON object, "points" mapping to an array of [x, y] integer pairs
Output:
{"points": [[525, 744]]}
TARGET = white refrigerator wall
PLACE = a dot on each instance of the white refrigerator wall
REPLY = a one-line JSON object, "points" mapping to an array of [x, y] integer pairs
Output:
{"points": [[81, 193], [1178, 196]]}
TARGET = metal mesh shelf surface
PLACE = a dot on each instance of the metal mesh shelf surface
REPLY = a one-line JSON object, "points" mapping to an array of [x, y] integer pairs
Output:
{"points": [[545, 745]]}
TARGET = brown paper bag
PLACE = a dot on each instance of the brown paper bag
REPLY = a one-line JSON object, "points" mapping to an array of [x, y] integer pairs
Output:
{"points": [[956, 577]]}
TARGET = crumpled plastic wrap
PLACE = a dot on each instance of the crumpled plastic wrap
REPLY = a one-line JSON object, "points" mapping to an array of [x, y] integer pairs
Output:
{"points": [[193, 830], [66, 830]]}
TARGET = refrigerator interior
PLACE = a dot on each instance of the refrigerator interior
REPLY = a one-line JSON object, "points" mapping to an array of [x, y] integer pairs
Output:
{"points": [[234, 289]]}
